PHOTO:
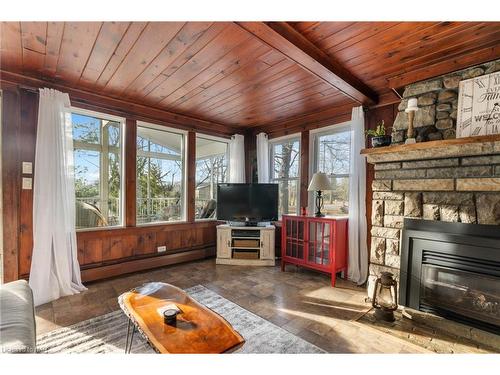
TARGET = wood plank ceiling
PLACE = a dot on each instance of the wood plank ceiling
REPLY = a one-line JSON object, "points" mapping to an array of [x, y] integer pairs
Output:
{"points": [[387, 55], [242, 75]]}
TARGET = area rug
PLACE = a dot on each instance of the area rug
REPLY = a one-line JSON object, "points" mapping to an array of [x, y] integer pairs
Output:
{"points": [[107, 333]]}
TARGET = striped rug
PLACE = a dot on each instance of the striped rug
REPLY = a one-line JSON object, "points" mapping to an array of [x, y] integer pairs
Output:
{"points": [[107, 333]]}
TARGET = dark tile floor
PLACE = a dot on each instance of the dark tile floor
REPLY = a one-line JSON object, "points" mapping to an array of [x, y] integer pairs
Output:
{"points": [[297, 300]]}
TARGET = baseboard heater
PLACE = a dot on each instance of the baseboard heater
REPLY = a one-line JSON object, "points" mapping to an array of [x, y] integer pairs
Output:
{"points": [[117, 269]]}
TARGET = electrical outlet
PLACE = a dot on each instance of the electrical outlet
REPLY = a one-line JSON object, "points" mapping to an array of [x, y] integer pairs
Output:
{"points": [[27, 167], [162, 249], [27, 183]]}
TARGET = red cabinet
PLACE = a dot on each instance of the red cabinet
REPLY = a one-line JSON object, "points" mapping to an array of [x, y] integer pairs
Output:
{"points": [[318, 243]]}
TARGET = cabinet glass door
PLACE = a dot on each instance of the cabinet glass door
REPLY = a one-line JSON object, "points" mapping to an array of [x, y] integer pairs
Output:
{"points": [[319, 243], [294, 237]]}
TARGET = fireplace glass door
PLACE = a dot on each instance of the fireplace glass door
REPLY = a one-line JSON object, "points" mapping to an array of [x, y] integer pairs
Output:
{"points": [[463, 293]]}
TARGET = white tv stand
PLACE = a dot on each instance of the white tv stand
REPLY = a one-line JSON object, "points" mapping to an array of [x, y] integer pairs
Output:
{"points": [[245, 246]]}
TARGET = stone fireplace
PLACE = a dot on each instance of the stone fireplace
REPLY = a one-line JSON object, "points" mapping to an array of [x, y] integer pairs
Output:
{"points": [[455, 181]]}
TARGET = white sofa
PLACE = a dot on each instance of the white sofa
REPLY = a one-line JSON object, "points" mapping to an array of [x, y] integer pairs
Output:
{"points": [[17, 318]]}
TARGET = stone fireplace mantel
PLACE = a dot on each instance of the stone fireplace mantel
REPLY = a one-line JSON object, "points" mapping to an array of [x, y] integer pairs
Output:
{"points": [[471, 146]]}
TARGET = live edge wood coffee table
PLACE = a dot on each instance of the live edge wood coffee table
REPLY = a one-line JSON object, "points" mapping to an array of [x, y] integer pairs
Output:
{"points": [[198, 329]]}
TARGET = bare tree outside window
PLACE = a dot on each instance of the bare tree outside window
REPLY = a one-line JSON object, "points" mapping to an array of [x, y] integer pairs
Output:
{"points": [[97, 162], [285, 160], [211, 169], [333, 158], [159, 171]]}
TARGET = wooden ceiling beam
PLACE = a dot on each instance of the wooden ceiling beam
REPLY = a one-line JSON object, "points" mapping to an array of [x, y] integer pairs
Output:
{"points": [[285, 39]]}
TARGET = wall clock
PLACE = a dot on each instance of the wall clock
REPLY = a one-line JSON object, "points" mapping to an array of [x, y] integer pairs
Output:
{"points": [[479, 106]]}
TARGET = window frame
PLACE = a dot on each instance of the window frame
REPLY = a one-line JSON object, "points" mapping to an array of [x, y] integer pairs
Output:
{"points": [[272, 143], [313, 147], [78, 145], [228, 156], [184, 185]]}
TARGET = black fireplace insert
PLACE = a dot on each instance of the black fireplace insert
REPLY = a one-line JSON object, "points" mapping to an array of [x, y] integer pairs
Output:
{"points": [[452, 270]]}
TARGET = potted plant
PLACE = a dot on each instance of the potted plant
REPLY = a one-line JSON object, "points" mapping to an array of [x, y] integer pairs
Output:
{"points": [[378, 136]]}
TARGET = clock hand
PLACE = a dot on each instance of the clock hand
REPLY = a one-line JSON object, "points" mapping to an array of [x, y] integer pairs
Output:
{"points": [[491, 113]]}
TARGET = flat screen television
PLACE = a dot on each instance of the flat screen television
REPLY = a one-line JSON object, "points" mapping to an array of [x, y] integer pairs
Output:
{"points": [[249, 203]]}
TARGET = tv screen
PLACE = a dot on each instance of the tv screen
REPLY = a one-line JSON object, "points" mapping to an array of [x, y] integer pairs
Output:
{"points": [[247, 202]]}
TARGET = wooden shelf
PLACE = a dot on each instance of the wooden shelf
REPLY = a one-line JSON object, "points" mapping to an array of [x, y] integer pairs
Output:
{"points": [[469, 146]]}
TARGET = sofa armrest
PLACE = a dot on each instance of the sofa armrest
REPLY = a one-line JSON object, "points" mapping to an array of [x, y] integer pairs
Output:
{"points": [[17, 318]]}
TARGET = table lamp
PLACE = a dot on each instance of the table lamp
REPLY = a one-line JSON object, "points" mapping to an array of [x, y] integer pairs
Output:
{"points": [[319, 183], [411, 109]]}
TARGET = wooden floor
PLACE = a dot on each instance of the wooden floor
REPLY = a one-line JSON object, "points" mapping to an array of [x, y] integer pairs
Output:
{"points": [[299, 301]]}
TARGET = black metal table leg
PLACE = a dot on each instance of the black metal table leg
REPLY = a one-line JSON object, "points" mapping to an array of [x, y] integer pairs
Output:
{"points": [[131, 338], [128, 336]]}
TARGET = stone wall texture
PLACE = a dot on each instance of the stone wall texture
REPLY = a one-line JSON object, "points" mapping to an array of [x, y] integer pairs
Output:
{"points": [[438, 102], [454, 189]]}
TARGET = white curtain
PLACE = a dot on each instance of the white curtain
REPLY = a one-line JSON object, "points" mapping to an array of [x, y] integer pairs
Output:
{"points": [[358, 253], [237, 159], [263, 158], [55, 271]]}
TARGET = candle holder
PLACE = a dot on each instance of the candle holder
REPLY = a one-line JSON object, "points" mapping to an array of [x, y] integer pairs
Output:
{"points": [[410, 110], [170, 317]]}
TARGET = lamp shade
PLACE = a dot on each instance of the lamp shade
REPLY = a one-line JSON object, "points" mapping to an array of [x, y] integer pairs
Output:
{"points": [[412, 105], [319, 181]]}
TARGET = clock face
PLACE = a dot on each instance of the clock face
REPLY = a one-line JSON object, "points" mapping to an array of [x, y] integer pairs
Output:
{"points": [[479, 106]]}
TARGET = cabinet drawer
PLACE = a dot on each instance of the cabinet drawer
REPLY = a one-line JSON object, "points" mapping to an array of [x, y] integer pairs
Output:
{"points": [[245, 254]]}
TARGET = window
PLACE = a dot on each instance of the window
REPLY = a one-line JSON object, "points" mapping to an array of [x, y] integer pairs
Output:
{"points": [[285, 171], [160, 174], [97, 143], [332, 156], [211, 169]]}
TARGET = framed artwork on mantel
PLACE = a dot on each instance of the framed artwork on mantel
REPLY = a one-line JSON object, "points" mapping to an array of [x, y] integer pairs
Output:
{"points": [[479, 106]]}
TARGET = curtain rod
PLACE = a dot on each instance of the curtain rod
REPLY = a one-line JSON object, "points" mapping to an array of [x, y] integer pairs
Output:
{"points": [[119, 112], [29, 88]]}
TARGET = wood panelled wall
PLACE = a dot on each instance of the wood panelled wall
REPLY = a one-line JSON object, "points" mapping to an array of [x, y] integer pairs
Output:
{"points": [[251, 157], [27, 142], [100, 251], [105, 252], [11, 120]]}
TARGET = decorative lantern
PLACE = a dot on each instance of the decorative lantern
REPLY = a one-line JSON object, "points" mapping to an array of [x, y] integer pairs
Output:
{"points": [[385, 297]]}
